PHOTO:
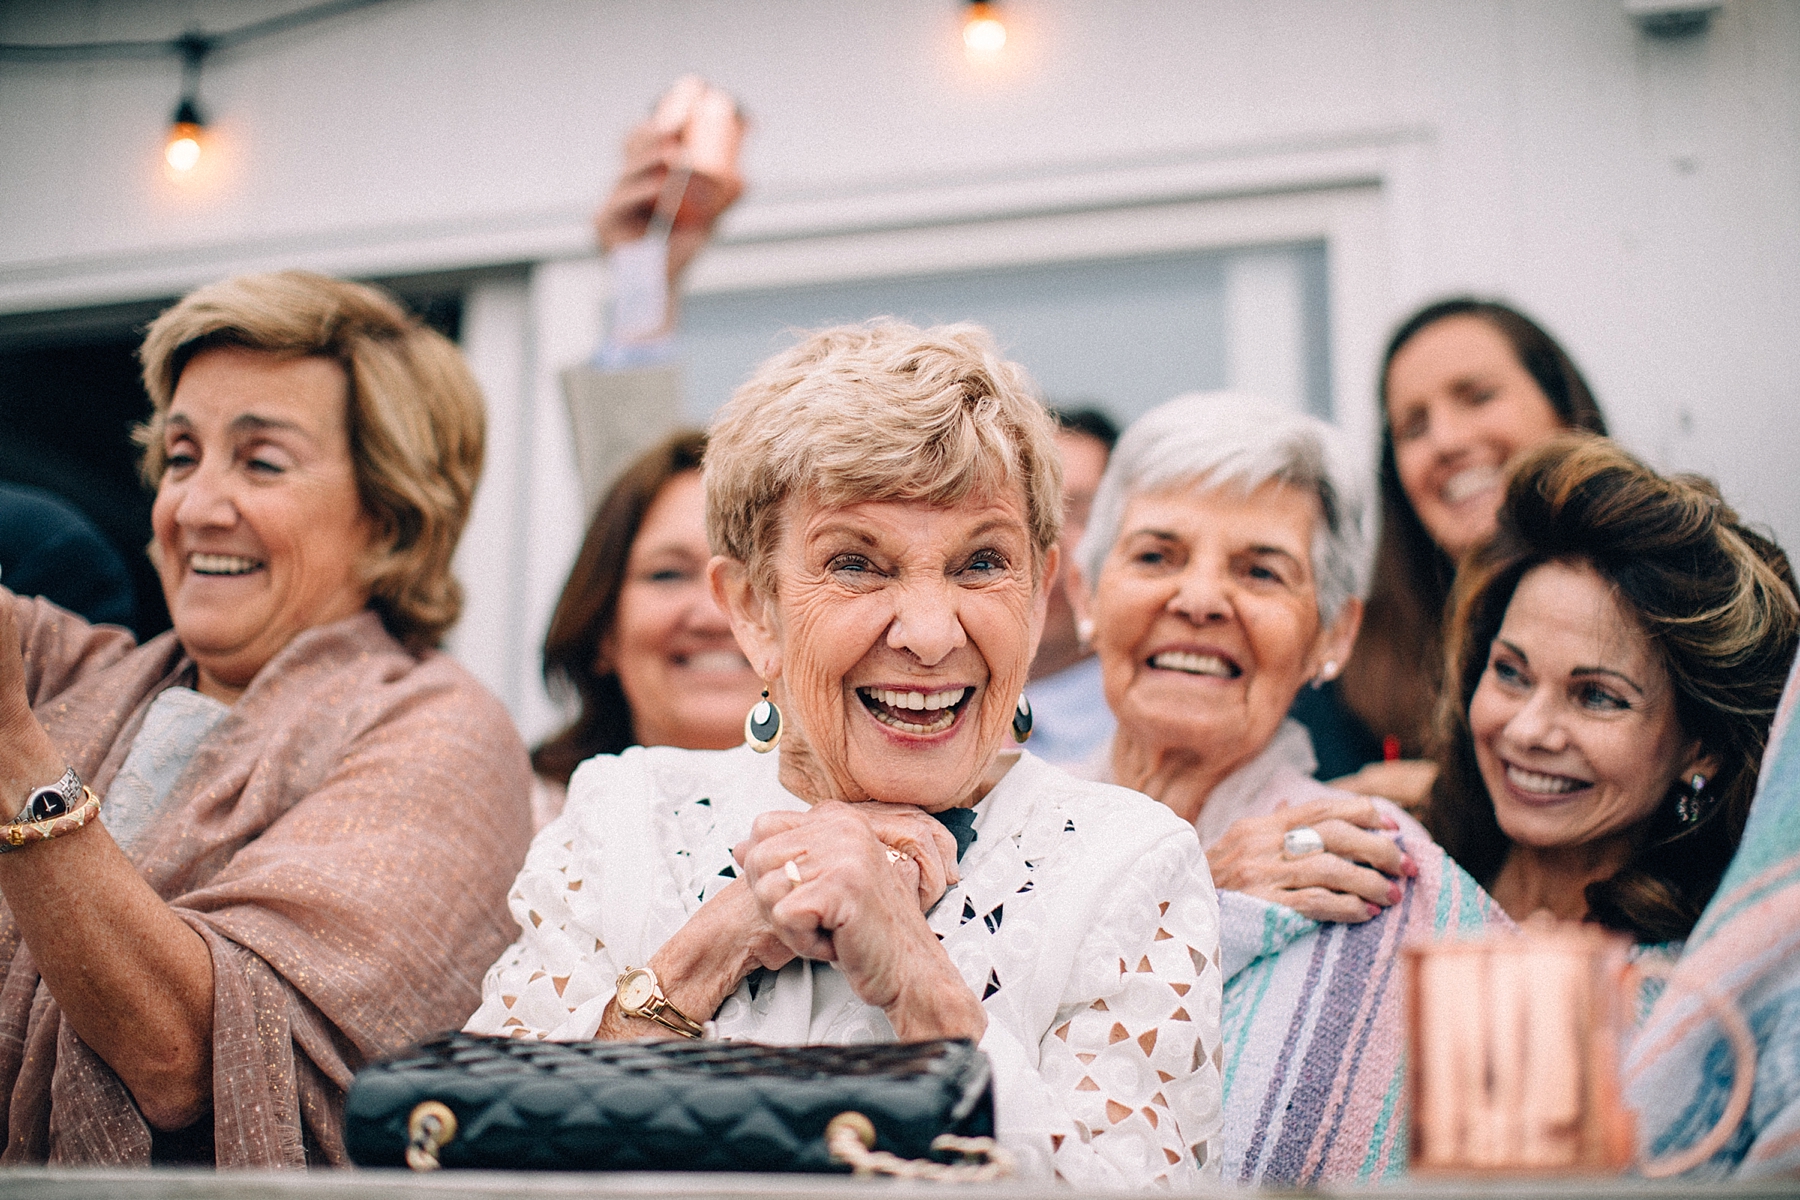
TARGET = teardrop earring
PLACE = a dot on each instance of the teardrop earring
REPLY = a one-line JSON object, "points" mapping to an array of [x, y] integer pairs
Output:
{"points": [[1022, 720], [762, 725]]}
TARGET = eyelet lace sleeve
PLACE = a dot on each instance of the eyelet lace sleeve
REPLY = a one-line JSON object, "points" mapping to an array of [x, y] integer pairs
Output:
{"points": [[1133, 1054], [554, 982]]}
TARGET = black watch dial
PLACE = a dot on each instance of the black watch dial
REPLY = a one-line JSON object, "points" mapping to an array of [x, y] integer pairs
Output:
{"points": [[45, 804]]}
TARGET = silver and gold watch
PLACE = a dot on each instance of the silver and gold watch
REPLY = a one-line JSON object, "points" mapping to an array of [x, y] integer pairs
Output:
{"points": [[47, 803], [640, 994]]}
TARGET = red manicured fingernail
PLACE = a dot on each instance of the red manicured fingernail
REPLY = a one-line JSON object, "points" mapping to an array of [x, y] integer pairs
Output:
{"points": [[1393, 893], [1388, 822], [1409, 866], [1374, 909]]}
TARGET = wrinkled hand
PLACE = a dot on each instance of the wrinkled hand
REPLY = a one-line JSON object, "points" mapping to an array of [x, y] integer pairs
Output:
{"points": [[1406, 781], [651, 152], [727, 939], [743, 919], [1353, 880], [859, 909], [902, 827]]}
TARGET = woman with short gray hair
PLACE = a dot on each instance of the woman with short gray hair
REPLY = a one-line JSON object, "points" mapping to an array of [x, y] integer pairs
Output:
{"points": [[1224, 567], [1226, 560]]}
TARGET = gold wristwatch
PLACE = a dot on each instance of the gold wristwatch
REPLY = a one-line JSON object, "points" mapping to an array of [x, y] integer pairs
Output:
{"points": [[640, 994]]}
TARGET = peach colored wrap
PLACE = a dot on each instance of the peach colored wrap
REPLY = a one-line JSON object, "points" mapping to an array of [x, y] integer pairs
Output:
{"points": [[343, 840]]}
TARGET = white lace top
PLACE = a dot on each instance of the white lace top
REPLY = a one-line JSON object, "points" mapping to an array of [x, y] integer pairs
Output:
{"points": [[1086, 920]]}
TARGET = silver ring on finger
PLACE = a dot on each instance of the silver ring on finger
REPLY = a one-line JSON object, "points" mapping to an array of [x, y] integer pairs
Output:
{"points": [[1301, 842], [895, 856], [791, 869]]}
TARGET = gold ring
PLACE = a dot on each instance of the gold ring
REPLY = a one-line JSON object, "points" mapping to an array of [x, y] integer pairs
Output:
{"points": [[791, 869]]}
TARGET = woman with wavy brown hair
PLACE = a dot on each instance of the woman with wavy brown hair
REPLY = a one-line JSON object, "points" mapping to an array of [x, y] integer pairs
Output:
{"points": [[1617, 651]]}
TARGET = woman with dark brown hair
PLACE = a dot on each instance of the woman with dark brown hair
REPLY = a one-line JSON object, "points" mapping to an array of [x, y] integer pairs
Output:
{"points": [[1617, 651], [636, 635], [1466, 386]]}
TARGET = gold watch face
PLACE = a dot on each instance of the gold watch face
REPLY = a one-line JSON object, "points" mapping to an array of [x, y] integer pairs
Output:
{"points": [[636, 989]]}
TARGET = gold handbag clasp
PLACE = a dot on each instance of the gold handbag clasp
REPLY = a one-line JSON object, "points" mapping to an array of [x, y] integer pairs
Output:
{"points": [[430, 1128]]}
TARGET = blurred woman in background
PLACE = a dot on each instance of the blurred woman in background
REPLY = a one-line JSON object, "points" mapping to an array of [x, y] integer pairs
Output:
{"points": [[636, 635], [1466, 386]]}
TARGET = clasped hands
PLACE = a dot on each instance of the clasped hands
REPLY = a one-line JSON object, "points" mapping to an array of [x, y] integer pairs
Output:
{"points": [[868, 873], [1356, 875]]}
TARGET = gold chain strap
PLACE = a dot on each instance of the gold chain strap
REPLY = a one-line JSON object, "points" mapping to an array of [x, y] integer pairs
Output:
{"points": [[850, 1137]]}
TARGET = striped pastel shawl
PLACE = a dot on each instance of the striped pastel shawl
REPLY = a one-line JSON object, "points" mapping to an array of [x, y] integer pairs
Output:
{"points": [[1746, 949], [1313, 1029]]}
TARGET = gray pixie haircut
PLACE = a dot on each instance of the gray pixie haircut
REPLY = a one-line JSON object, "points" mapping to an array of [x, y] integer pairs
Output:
{"points": [[1218, 438]]}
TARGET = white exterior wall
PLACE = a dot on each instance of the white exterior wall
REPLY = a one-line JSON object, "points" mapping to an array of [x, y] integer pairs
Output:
{"points": [[1641, 197]]}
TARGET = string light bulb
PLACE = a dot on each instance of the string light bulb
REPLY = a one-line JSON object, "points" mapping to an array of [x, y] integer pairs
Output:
{"points": [[984, 35], [186, 131]]}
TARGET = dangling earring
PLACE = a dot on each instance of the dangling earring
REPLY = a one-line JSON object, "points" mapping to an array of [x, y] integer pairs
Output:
{"points": [[1022, 720], [1326, 674], [762, 725], [1084, 633], [1687, 809]]}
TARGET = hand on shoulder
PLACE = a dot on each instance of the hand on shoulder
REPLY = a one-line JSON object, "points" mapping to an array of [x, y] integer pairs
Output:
{"points": [[1351, 879]]}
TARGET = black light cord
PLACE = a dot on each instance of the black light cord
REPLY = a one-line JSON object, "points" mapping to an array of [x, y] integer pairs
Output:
{"points": [[192, 48]]}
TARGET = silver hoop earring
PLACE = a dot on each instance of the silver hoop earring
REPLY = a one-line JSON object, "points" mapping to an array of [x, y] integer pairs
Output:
{"points": [[762, 725]]}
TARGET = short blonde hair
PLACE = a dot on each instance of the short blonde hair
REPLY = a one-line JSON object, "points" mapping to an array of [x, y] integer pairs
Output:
{"points": [[882, 411], [415, 420]]}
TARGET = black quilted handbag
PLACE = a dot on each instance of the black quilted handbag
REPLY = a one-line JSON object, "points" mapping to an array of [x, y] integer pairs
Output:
{"points": [[460, 1100]]}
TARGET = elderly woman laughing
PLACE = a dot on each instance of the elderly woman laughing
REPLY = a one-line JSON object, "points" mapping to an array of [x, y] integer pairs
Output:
{"points": [[1227, 555], [885, 505]]}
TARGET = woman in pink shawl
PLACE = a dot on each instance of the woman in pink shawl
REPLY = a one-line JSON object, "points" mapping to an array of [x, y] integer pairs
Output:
{"points": [[306, 816]]}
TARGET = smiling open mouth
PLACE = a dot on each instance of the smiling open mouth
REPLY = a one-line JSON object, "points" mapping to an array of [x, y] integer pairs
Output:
{"points": [[1538, 784], [1190, 663], [917, 713], [1471, 481], [222, 564]]}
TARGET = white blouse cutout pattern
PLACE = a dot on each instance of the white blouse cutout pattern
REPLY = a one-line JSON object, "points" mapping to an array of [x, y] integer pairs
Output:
{"points": [[1085, 920]]}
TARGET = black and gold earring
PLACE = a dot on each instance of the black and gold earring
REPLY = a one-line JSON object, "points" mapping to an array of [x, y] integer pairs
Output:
{"points": [[1022, 720], [762, 725]]}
